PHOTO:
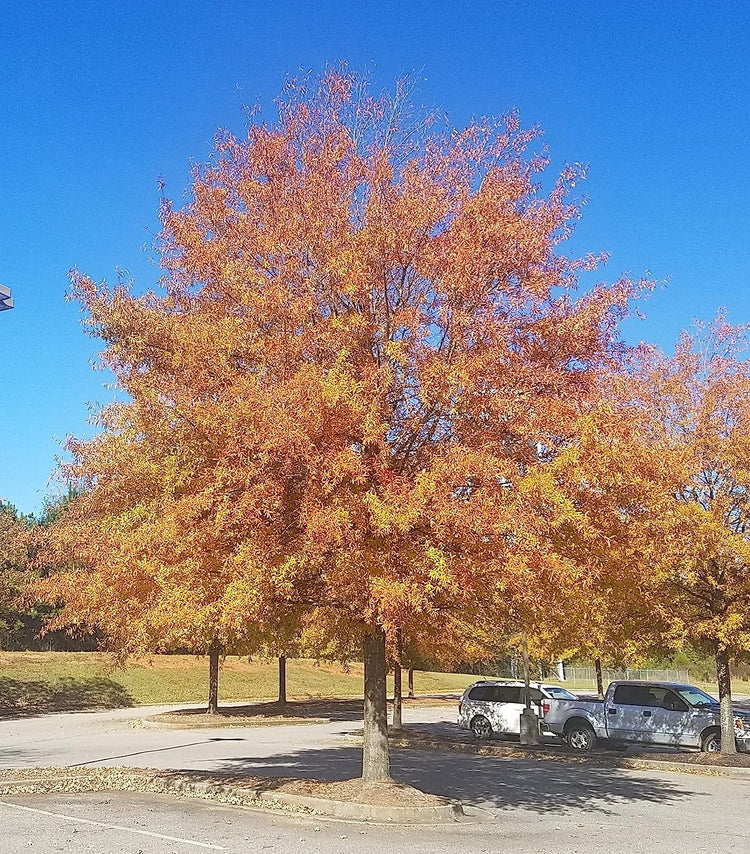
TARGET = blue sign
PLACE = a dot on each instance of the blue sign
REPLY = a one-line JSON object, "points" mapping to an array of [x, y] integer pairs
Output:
{"points": [[5, 301]]}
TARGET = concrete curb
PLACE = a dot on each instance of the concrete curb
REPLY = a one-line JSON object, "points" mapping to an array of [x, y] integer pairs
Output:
{"points": [[515, 752], [438, 814], [154, 723], [256, 797]]}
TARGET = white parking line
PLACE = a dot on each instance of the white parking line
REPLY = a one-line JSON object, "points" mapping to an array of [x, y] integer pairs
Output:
{"points": [[79, 820]]}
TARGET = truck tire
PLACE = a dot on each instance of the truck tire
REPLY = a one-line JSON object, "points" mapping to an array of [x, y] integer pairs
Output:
{"points": [[580, 735], [711, 741], [481, 727]]}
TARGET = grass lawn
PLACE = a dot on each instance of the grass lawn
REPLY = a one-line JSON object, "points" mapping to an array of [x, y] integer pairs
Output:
{"points": [[38, 682]]}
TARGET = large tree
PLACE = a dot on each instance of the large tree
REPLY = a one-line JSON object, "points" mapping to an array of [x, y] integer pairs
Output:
{"points": [[335, 401]]}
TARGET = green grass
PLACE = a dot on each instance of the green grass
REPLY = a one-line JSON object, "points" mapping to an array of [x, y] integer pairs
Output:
{"points": [[38, 682], [35, 682]]}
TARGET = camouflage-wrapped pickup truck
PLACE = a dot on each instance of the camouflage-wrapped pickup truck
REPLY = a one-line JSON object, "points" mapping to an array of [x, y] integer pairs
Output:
{"points": [[662, 713]]}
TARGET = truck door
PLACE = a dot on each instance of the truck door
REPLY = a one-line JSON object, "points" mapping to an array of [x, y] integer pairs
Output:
{"points": [[628, 714], [650, 714], [669, 717]]}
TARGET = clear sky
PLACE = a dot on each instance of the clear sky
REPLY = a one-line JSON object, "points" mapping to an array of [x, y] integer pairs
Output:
{"points": [[100, 100]]}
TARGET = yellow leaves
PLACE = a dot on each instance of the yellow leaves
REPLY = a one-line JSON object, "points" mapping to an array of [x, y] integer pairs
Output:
{"points": [[339, 386], [439, 572], [397, 352]]}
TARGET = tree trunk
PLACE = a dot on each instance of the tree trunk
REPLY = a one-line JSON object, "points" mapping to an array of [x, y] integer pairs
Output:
{"points": [[411, 683], [529, 721], [398, 691], [526, 691], [282, 680], [214, 652], [397, 695], [599, 682], [724, 679], [375, 759]]}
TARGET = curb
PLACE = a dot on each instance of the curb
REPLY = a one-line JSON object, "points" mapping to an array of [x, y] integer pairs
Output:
{"points": [[635, 763], [255, 797], [438, 814], [153, 723]]}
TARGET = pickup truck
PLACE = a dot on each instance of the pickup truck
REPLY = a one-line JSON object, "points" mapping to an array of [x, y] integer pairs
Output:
{"points": [[645, 713]]}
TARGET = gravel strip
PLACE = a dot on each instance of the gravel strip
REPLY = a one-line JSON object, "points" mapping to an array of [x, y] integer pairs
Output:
{"points": [[245, 792]]}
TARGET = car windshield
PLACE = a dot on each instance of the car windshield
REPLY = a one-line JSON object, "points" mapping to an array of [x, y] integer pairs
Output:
{"points": [[696, 697], [559, 693]]}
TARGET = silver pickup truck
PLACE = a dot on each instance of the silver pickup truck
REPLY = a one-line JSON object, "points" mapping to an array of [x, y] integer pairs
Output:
{"points": [[645, 713]]}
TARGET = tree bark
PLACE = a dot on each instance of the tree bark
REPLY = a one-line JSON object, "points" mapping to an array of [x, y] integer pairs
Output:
{"points": [[526, 691], [529, 721], [397, 695], [599, 682], [282, 680], [375, 758], [398, 692], [411, 683], [723, 676], [214, 652]]}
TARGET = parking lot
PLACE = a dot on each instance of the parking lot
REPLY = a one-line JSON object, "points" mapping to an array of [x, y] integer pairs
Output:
{"points": [[517, 804]]}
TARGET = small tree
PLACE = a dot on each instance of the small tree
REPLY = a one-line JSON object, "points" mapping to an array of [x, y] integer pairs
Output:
{"points": [[663, 472], [13, 570], [702, 400]]}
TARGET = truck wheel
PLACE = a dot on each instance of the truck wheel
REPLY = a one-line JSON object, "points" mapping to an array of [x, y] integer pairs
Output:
{"points": [[711, 742], [481, 727], [580, 736]]}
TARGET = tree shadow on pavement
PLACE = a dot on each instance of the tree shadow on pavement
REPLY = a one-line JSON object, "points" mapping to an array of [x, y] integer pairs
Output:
{"points": [[19, 698], [538, 785]]}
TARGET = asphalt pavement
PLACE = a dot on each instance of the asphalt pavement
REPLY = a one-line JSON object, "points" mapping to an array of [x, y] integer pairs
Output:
{"points": [[526, 805]]}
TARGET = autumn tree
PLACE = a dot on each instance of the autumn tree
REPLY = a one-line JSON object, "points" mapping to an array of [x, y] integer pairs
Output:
{"points": [[605, 477], [124, 575], [699, 401], [660, 469], [365, 329]]}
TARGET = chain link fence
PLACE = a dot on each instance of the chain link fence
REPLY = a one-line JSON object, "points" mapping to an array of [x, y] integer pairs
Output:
{"points": [[588, 674]]}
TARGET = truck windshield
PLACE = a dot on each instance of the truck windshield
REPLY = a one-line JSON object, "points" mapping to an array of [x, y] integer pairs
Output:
{"points": [[696, 697]]}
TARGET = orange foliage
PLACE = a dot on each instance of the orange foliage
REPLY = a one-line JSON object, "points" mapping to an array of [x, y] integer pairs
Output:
{"points": [[343, 398], [699, 414], [660, 474]]}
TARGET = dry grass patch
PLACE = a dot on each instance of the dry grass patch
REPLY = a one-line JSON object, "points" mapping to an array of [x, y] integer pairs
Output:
{"points": [[390, 794]]}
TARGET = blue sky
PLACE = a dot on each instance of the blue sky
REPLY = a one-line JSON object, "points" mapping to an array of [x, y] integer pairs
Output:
{"points": [[100, 100]]}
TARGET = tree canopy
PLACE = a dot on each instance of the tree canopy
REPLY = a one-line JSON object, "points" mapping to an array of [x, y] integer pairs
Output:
{"points": [[341, 401]]}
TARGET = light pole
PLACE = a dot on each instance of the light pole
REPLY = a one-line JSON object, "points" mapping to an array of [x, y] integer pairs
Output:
{"points": [[5, 301]]}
